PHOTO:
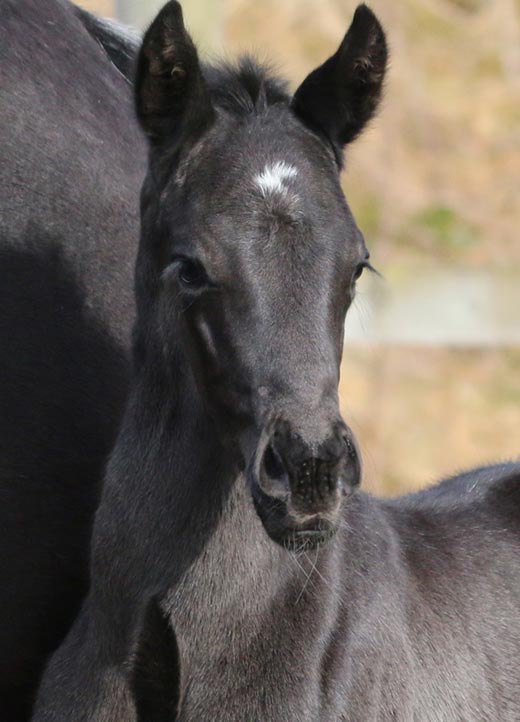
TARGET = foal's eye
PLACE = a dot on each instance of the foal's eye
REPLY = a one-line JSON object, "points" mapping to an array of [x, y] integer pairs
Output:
{"points": [[191, 273], [361, 267], [359, 270]]}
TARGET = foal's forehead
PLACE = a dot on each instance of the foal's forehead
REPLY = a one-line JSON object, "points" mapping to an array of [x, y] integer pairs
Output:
{"points": [[269, 149], [267, 177]]}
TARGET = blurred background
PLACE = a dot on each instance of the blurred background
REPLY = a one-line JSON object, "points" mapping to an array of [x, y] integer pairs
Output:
{"points": [[431, 374]]}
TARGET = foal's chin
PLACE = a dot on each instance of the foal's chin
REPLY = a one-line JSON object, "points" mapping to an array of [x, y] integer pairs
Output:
{"points": [[295, 532]]}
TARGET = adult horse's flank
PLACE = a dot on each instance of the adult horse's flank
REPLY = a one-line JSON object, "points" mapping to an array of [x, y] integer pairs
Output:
{"points": [[230, 499], [72, 162]]}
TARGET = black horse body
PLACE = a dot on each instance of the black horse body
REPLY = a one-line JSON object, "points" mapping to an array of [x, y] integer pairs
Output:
{"points": [[231, 543], [73, 159]]}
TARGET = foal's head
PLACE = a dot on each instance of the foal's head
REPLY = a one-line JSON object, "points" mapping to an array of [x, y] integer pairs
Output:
{"points": [[250, 255]]}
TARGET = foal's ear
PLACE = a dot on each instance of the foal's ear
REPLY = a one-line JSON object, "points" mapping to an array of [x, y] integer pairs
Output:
{"points": [[171, 93], [339, 98]]}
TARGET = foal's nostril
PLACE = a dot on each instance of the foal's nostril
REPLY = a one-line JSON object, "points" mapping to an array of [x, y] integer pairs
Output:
{"points": [[272, 464], [273, 476], [352, 468], [350, 447]]}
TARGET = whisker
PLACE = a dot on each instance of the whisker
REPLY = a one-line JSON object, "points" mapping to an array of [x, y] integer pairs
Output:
{"points": [[313, 568]]}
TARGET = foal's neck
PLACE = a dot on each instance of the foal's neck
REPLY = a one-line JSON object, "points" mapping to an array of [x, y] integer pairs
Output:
{"points": [[195, 472], [225, 570], [232, 594], [223, 564]]}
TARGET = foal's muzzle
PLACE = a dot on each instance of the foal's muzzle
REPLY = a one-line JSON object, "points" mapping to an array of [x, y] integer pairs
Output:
{"points": [[298, 487]]}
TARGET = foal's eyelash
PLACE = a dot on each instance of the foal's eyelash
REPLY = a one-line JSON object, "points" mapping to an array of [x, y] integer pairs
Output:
{"points": [[371, 268]]}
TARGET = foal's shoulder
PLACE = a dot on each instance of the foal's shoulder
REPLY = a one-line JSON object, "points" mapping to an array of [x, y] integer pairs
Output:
{"points": [[461, 535], [494, 488]]}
